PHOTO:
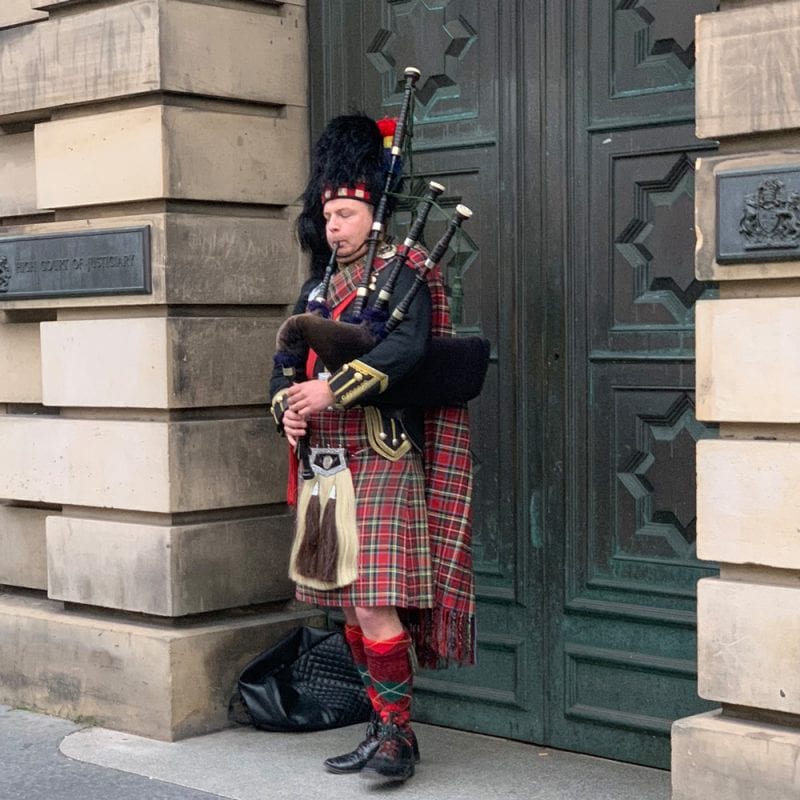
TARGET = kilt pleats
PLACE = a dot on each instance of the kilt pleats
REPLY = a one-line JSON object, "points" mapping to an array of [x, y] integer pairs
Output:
{"points": [[394, 560]]}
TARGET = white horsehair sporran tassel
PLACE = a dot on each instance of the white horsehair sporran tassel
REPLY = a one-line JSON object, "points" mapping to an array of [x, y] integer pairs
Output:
{"points": [[325, 549]]}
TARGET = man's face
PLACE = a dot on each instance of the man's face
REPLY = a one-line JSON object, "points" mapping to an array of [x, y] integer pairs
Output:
{"points": [[347, 223]]}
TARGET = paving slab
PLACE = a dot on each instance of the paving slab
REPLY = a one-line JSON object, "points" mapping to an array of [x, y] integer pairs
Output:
{"points": [[32, 768], [246, 764]]}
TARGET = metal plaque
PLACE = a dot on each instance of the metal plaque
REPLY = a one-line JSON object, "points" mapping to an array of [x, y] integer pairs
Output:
{"points": [[98, 262], [758, 216]]}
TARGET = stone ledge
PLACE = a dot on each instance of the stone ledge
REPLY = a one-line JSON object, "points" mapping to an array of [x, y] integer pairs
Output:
{"points": [[747, 502], [171, 152], [165, 467], [746, 365], [162, 682], [266, 64], [19, 12], [158, 46], [17, 175], [165, 570], [741, 70], [22, 543], [154, 362], [20, 357], [51, 4], [716, 757], [748, 644]]}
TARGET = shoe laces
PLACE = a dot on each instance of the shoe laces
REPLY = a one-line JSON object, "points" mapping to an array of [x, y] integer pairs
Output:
{"points": [[393, 738]]}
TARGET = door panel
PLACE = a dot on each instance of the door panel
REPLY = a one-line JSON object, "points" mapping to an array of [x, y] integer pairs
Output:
{"points": [[640, 57], [624, 666]]}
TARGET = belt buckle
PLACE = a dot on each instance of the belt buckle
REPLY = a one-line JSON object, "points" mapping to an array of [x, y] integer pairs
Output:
{"points": [[327, 461]]}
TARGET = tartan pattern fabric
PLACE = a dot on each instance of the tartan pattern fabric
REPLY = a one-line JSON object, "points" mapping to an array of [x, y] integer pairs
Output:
{"points": [[345, 283], [442, 628], [394, 566], [357, 192], [355, 640], [392, 677], [446, 634]]}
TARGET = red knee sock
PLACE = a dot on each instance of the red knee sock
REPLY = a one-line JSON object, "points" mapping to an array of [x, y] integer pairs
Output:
{"points": [[355, 638], [389, 666]]}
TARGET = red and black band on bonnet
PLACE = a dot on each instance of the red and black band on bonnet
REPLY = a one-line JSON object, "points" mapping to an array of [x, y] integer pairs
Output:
{"points": [[348, 161]]}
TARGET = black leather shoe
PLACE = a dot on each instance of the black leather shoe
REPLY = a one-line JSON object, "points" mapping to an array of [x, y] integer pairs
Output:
{"points": [[355, 760], [394, 759]]}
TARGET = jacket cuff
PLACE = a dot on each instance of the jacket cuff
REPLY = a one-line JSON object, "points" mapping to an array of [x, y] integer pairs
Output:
{"points": [[355, 381], [279, 406]]}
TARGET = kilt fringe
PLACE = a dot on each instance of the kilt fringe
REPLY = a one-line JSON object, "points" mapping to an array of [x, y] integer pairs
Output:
{"points": [[325, 549], [442, 637]]}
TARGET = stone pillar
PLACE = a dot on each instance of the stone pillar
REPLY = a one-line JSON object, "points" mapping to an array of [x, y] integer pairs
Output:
{"points": [[143, 531], [748, 380]]}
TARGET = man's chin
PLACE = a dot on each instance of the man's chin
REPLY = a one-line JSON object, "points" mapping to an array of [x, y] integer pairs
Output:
{"points": [[347, 255]]}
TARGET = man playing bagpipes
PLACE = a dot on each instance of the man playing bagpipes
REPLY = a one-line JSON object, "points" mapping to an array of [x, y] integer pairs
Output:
{"points": [[383, 504]]}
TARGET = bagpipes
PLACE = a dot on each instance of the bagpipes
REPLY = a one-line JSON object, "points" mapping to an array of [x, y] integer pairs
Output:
{"points": [[453, 369]]}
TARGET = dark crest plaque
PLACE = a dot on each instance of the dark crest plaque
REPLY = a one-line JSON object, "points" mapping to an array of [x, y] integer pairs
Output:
{"points": [[758, 216], [98, 262]]}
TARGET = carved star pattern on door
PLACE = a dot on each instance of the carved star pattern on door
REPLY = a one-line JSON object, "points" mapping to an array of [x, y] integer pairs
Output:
{"points": [[665, 443], [653, 256], [655, 39], [654, 45], [447, 35]]}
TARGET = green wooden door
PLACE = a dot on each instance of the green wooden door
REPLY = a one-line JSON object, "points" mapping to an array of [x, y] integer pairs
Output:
{"points": [[621, 529], [567, 127]]}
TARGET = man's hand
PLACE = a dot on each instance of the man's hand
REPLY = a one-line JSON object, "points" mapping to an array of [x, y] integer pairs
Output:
{"points": [[309, 397], [294, 426]]}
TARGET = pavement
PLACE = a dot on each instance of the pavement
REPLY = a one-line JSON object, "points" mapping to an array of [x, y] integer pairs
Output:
{"points": [[46, 758]]}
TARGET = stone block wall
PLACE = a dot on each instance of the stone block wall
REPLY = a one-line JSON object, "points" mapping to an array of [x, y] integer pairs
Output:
{"points": [[142, 519], [748, 381]]}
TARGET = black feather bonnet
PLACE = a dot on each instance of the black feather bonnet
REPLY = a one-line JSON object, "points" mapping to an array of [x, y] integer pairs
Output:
{"points": [[348, 160]]}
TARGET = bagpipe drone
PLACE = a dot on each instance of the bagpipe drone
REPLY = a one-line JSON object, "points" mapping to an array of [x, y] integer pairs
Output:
{"points": [[453, 369]]}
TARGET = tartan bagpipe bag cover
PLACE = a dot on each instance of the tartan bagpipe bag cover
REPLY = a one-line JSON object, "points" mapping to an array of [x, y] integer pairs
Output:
{"points": [[305, 682]]}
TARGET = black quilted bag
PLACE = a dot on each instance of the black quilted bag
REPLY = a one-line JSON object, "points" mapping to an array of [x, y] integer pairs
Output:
{"points": [[305, 682]]}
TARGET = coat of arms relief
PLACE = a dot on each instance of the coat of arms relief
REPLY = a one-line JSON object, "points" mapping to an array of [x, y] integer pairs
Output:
{"points": [[771, 217], [5, 274]]}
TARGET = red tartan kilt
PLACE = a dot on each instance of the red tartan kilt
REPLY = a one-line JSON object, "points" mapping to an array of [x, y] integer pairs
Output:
{"points": [[394, 559]]}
